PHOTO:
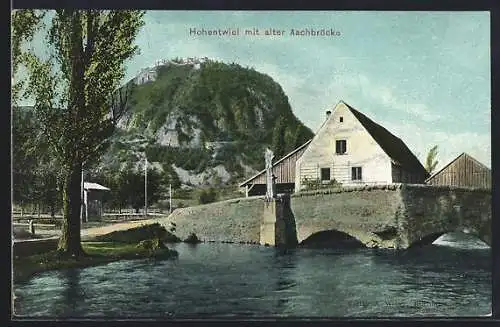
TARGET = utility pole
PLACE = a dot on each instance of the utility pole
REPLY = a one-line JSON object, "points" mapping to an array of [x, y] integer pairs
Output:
{"points": [[82, 193], [145, 186], [170, 201]]}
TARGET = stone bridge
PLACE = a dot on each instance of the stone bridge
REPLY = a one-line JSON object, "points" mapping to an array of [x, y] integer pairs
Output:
{"points": [[389, 216]]}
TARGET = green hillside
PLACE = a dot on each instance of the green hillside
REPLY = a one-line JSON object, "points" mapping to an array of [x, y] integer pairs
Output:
{"points": [[219, 118], [245, 109]]}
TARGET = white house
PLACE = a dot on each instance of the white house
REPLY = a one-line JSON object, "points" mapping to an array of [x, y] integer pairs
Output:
{"points": [[352, 149]]}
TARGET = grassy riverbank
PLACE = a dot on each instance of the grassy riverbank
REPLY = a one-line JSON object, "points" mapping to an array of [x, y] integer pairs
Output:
{"points": [[97, 253]]}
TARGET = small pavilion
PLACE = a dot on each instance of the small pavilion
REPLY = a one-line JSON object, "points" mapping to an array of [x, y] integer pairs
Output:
{"points": [[92, 201]]}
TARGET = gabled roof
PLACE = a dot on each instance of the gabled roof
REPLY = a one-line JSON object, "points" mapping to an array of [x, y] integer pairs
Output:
{"points": [[94, 186], [463, 154], [276, 163], [393, 146]]}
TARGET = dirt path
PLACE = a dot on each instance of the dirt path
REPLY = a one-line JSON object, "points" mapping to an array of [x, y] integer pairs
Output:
{"points": [[96, 231], [87, 233]]}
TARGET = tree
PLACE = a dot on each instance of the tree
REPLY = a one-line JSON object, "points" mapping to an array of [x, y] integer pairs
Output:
{"points": [[278, 142], [301, 136], [431, 162], [76, 90], [207, 196], [24, 163], [35, 172], [130, 187]]}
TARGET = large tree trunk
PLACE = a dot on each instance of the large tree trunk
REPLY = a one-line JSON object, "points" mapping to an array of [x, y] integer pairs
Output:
{"points": [[70, 241]]}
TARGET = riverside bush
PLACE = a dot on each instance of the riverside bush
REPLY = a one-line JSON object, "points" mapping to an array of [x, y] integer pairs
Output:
{"points": [[207, 196], [137, 234]]}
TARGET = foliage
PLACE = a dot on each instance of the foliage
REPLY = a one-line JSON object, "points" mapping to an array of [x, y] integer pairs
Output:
{"points": [[221, 102], [226, 155], [75, 89], [152, 246], [193, 159], [228, 192], [127, 187], [316, 184], [35, 172], [430, 161], [207, 196], [137, 234], [192, 239], [278, 145], [23, 27], [183, 193], [300, 136]]}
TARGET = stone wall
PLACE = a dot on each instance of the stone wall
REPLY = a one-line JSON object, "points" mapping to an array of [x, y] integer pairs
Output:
{"points": [[387, 216], [357, 211], [236, 220], [278, 224], [268, 223], [433, 210], [394, 216]]}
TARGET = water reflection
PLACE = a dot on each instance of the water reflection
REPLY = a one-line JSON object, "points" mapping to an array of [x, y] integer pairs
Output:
{"points": [[72, 295], [322, 282], [285, 261], [433, 277], [227, 280]]}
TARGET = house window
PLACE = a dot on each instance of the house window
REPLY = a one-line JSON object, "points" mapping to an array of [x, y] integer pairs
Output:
{"points": [[325, 174], [340, 146], [341, 119], [356, 173]]}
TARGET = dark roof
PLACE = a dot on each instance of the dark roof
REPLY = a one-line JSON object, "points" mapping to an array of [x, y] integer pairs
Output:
{"points": [[393, 146], [276, 163], [461, 155]]}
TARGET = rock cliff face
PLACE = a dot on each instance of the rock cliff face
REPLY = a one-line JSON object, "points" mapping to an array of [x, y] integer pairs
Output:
{"points": [[209, 118]]}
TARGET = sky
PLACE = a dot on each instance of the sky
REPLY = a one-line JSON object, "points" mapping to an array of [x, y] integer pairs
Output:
{"points": [[425, 76]]}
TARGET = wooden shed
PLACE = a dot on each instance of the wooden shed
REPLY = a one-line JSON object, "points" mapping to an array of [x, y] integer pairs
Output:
{"points": [[92, 201], [464, 171], [283, 170]]}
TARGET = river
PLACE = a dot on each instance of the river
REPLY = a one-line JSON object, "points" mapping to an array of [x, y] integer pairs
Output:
{"points": [[450, 278]]}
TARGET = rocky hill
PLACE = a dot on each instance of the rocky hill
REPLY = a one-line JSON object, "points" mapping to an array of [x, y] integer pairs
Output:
{"points": [[205, 122]]}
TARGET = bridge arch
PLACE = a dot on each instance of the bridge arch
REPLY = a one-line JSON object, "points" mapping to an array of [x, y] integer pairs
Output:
{"points": [[331, 238], [335, 237], [430, 238]]}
